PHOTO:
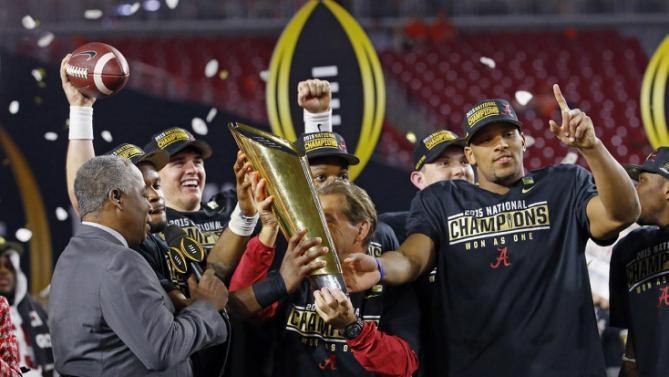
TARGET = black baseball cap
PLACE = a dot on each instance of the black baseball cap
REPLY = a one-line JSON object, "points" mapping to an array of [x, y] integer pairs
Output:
{"points": [[325, 144], [6, 245], [656, 163], [135, 154], [486, 112], [431, 147], [174, 140]]}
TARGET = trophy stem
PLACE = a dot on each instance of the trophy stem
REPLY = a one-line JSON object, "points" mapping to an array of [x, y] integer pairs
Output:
{"points": [[331, 281]]}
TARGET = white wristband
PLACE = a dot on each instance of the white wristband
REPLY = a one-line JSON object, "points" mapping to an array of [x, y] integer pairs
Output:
{"points": [[318, 122], [81, 123], [240, 224], [628, 359]]}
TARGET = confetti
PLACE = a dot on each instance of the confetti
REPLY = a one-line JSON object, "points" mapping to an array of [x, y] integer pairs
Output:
{"points": [[570, 158], [212, 113], [199, 126], [264, 75], [488, 62], [523, 97], [107, 136], [14, 107], [38, 74], [28, 22], [23, 234], [92, 14], [51, 136], [171, 3], [61, 214], [211, 68], [411, 137], [45, 39], [224, 74], [529, 140], [134, 8]]}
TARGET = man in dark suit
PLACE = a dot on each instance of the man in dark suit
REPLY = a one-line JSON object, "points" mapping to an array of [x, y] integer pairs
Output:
{"points": [[108, 314]]}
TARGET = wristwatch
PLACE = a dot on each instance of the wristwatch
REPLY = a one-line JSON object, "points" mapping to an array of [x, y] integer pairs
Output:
{"points": [[354, 329]]}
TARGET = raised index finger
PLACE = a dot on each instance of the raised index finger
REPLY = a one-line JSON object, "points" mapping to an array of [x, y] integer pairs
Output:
{"points": [[560, 98]]}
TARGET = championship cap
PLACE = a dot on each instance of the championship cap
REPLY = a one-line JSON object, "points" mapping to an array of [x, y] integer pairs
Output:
{"points": [[174, 140], [486, 112], [6, 245], [135, 154], [431, 147], [325, 144], [656, 163]]}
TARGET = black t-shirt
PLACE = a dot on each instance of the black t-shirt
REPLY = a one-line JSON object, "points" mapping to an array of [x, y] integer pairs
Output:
{"points": [[398, 222], [514, 297], [426, 294], [639, 296], [210, 225], [154, 250], [307, 346]]}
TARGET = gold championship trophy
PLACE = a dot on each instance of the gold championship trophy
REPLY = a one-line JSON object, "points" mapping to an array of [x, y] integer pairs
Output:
{"points": [[295, 204]]}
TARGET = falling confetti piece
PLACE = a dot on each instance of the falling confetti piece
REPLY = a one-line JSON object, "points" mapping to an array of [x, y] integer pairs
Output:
{"points": [[45, 39], [51, 136], [38, 74], [211, 68], [38, 100], [223, 74], [523, 97], [570, 158], [92, 14], [488, 62], [61, 214], [14, 107], [529, 140], [23, 234], [28, 22], [107, 136], [199, 126], [264, 75], [411, 137], [44, 293], [172, 3], [212, 114], [134, 8]]}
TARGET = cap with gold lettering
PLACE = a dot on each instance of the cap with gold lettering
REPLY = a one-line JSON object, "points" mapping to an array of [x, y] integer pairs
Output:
{"points": [[6, 245], [433, 145], [174, 140], [135, 154], [325, 144], [487, 112], [656, 163]]}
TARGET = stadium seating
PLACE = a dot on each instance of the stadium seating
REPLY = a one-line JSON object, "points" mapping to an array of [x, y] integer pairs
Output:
{"points": [[599, 71]]}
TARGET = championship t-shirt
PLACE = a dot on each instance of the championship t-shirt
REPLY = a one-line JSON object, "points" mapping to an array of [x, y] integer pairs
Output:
{"points": [[513, 291], [308, 347], [209, 224], [639, 296], [154, 250]]}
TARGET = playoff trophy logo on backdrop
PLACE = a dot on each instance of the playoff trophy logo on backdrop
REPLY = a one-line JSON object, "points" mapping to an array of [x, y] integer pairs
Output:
{"points": [[296, 204]]}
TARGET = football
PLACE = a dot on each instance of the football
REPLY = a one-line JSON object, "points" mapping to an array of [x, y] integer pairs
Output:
{"points": [[97, 70]]}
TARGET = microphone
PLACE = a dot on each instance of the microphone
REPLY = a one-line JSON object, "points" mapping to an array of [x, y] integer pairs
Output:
{"points": [[184, 252]]}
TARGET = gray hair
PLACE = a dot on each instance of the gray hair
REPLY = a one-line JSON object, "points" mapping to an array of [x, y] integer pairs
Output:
{"points": [[359, 206], [97, 177]]}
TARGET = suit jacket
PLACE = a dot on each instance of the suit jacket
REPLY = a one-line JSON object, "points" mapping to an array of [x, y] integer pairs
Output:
{"points": [[109, 316]]}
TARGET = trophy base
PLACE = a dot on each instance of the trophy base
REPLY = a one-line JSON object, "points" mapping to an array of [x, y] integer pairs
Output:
{"points": [[330, 281]]}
